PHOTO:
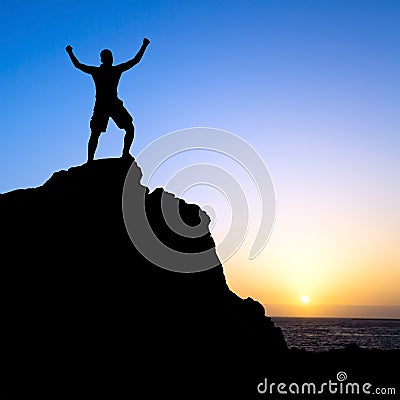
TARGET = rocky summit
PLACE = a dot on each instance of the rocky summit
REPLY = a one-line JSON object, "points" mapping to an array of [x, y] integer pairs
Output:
{"points": [[86, 314]]}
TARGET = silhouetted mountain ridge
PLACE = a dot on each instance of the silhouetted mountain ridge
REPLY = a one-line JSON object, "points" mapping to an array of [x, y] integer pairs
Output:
{"points": [[84, 308]]}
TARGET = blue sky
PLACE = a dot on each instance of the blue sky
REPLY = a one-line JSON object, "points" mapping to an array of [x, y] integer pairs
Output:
{"points": [[271, 71], [314, 86]]}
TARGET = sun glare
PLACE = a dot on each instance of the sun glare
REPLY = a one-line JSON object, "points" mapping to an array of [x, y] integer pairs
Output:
{"points": [[305, 299]]}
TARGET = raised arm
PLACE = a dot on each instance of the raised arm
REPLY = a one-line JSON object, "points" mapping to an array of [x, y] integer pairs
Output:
{"points": [[129, 64], [85, 68]]}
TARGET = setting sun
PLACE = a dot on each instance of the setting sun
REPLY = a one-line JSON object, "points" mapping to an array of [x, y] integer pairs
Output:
{"points": [[305, 299]]}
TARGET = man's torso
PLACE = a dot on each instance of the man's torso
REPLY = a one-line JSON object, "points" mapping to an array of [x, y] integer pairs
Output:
{"points": [[106, 81]]}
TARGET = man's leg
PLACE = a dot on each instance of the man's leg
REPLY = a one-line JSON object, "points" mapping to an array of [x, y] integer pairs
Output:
{"points": [[98, 124], [128, 139], [92, 145]]}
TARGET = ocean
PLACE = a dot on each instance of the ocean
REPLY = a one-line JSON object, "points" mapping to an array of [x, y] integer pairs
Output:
{"points": [[323, 334]]}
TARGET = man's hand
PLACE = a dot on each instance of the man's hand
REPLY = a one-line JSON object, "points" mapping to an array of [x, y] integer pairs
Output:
{"points": [[68, 49], [146, 42]]}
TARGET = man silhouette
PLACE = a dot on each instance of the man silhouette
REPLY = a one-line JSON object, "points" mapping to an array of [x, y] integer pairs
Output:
{"points": [[106, 78]]}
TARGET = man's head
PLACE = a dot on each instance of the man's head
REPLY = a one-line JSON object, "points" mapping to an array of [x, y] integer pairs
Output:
{"points": [[106, 57]]}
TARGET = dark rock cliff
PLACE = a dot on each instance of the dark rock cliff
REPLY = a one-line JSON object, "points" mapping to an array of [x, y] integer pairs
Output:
{"points": [[84, 312]]}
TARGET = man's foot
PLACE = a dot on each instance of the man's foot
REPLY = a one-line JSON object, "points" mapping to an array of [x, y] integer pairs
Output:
{"points": [[127, 156]]}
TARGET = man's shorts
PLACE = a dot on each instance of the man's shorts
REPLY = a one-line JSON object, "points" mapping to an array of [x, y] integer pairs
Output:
{"points": [[115, 110]]}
